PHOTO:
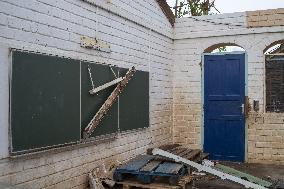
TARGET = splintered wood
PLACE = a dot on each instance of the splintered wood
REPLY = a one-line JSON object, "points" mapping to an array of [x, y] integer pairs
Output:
{"points": [[184, 183], [191, 154], [108, 103]]}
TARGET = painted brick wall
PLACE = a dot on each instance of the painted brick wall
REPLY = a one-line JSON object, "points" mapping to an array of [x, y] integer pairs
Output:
{"points": [[54, 27], [193, 36], [140, 35]]}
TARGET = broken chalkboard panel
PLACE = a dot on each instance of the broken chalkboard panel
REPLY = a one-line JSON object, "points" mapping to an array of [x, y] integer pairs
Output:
{"points": [[101, 74], [51, 104]]}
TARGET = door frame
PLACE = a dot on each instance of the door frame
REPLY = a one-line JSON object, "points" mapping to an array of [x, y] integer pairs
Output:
{"points": [[202, 96]]}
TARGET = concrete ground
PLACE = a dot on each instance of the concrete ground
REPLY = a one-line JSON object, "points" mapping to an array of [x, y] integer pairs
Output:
{"points": [[266, 172]]}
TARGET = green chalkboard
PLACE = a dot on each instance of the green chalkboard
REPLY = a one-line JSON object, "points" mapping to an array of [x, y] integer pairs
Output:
{"points": [[101, 74], [51, 104], [45, 101], [134, 102]]}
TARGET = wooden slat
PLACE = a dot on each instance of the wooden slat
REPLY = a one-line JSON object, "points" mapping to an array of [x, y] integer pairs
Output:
{"points": [[169, 168], [169, 146], [193, 154], [179, 151], [151, 166], [136, 163], [108, 103], [130, 184], [186, 152], [174, 149], [160, 184]]}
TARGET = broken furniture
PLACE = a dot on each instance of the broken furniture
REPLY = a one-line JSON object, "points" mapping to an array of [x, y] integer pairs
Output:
{"points": [[223, 172], [157, 172], [147, 167]]}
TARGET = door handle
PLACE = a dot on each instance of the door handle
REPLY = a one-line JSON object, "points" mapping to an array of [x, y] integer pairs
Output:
{"points": [[243, 108]]}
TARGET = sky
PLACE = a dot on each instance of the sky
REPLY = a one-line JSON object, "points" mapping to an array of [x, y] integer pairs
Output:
{"points": [[229, 6]]}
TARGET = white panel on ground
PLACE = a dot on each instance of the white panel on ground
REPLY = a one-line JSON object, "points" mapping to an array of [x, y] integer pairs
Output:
{"points": [[207, 169]]}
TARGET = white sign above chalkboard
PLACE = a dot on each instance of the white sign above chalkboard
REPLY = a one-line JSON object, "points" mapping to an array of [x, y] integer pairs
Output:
{"points": [[94, 43]]}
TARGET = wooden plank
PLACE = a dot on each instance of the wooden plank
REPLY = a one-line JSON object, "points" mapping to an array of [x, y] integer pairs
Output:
{"points": [[166, 147], [136, 164], [193, 154], [184, 153], [130, 184], [174, 149], [179, 151], [151, 166], [183, 183], [169, 168], [169, 146], [211, 170], [104, 86], [108, 103]]}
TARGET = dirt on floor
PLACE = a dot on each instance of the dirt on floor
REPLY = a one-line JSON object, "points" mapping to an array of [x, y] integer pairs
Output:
{"points": [[266, 172]]}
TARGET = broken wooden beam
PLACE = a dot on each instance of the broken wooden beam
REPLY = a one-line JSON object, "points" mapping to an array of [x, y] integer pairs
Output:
{"points": [[104, 86], [108, 103]]}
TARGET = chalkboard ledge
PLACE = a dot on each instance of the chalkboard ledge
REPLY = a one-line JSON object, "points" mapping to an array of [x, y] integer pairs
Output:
{"points": [[134, 131], [36, 153]]}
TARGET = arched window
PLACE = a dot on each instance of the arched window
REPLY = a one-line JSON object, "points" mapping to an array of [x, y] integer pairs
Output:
{"points": [[274, 77], [224, 47]]}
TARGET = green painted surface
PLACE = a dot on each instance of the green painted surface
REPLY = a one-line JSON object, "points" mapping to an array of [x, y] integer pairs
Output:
{"points": [[101, 74], [242, 175], [45, 101], [51, 104], [134, 102]]}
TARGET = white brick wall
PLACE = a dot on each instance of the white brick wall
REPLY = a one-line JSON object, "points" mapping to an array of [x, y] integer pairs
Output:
{"points": [[192, 37], [139, 35]]}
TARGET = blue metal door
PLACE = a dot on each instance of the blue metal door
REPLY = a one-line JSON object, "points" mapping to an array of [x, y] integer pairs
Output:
{"points": [[224, 97]]}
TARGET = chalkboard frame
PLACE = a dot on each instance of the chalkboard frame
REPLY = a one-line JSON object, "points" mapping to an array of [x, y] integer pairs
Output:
{"points": [[65, 146], [33, 151]]}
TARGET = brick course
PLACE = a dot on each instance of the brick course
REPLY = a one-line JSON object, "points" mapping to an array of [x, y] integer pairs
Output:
{"points": [[265, 131], [54, 27], [173, 57], [265, 18]]}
